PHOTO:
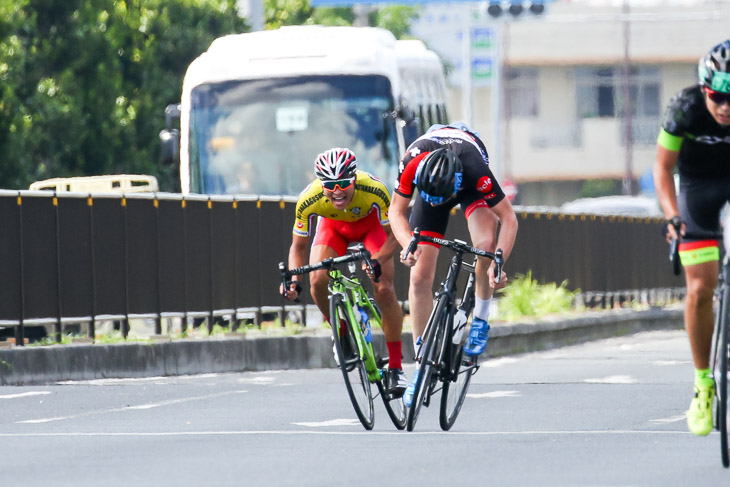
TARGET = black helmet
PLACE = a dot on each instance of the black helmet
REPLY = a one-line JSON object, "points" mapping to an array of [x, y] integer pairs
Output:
{"points": [[714, 68], [439, 175]]}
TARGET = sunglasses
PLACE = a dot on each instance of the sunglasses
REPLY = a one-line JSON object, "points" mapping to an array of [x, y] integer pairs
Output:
{"points": [[333, 184], [718, 96]]}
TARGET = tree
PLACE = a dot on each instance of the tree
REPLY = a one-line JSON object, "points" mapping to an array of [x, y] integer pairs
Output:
{"points": [[84, 82]]}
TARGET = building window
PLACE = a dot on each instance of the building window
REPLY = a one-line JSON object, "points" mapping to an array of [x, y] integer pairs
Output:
{"points": [[600, 92], [522, 92]]}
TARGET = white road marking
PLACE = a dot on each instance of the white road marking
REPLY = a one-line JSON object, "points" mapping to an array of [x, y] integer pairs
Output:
{"points": [[673, 419], [258, 380], [133, 380], [670, 362], [499, 362], [359, 432], [495, 394], [127, 408], [613, 379], [25, 394], [332, 422]]}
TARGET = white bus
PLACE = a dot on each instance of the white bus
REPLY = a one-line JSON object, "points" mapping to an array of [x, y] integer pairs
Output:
{"points": [[257, 108]]}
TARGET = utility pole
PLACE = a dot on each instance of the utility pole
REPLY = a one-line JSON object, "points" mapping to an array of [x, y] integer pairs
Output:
{"points": [[628, 181]]}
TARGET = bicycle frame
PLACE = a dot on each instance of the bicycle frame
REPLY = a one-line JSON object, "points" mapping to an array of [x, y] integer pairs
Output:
{"points": [[448, 369], [354, 295]]}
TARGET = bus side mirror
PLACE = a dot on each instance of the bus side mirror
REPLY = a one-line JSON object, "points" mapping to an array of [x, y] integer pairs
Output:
{"points": [[409, 122], [169, 147], [170, 136]]}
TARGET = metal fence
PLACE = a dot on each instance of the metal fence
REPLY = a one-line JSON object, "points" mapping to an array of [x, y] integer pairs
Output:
{"points": [[73, 258]]}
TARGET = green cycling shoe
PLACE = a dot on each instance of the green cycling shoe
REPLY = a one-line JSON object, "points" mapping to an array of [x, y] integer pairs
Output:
{"points": [[699, 415]]}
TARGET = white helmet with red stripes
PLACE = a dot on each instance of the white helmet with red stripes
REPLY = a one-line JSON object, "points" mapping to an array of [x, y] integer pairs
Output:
{"points": [[336, 163]]}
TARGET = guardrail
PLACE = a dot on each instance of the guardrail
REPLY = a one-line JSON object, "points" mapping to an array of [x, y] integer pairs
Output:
{"points": [[81, 258]]}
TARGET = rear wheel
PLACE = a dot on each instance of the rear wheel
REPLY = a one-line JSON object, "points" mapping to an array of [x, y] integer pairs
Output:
{"points": [[454, 391], [351, 363], [429, 361]]}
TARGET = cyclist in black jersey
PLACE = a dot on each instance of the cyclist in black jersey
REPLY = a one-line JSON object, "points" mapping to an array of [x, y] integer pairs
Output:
{"points": [[446, 167], [695, 137]]}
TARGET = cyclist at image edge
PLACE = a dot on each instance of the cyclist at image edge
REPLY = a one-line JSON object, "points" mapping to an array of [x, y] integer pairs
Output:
{"points": [[695, 136], [352, 206], [447, 166]]}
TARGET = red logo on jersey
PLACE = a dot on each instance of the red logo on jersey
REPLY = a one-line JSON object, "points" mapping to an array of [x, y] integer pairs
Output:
{"points": [[484, 185], [300, 224]]}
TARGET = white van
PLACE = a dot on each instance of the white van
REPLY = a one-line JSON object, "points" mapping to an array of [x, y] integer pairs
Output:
{"points": [[116, 183]]}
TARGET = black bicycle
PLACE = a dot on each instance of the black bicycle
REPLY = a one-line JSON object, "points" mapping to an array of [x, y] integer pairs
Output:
{"points": [[440, 356], [353, 313], [721, 341]]}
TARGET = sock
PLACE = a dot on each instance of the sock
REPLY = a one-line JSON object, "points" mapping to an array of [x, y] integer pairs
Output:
{"points": [[394, 355], [481, 308], [703, 377], [343, 328]]}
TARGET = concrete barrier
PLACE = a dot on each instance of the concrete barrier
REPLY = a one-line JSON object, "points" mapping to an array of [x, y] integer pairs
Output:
{"points": [[46, 364]]}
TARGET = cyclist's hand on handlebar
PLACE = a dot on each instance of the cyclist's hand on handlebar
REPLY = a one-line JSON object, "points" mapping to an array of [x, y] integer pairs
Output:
{"points": [[376, 271], [411, 259], [293, 289], [674, 228], [493, 279]]}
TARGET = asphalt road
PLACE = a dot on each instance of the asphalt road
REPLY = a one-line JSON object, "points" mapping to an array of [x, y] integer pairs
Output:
{"points": [[606, 413]]}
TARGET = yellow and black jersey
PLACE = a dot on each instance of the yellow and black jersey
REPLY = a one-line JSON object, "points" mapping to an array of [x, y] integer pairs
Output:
{"points": [[371, 195]]}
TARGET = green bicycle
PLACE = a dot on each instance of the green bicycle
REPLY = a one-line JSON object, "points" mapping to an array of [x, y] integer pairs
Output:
{"points": [[353, 313]]}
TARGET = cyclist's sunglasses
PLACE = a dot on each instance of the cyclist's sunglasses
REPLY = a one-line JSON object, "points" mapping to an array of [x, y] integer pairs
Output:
{"points": [[718, 96], [333, 184]]}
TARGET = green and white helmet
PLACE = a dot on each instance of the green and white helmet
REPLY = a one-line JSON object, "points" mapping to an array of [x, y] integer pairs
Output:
{"points": [[714, 68]]}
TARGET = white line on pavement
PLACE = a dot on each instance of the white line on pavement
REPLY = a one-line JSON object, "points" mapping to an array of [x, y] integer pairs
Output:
{"points": [[128, 408], [363, 432], [25, 394]]}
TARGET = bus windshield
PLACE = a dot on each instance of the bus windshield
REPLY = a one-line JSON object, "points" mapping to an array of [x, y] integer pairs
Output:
{"points": [[261, 136]]}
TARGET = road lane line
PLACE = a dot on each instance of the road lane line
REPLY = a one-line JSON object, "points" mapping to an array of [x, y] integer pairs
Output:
{"points": [[128, 408], [494, 394], [25, 394], [344, 433]]}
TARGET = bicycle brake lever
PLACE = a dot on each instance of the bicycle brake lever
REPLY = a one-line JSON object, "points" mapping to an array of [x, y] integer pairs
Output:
{"points": [[414, 242], [498, 261]]}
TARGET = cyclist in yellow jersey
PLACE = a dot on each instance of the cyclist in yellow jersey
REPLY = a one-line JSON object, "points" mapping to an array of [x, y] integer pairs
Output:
{"points": [[349, 206]]}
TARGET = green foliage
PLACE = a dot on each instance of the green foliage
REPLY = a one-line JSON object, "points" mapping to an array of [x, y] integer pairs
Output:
{"points": [[593, 188], [524, 296], [278, 13], [83, 83]]}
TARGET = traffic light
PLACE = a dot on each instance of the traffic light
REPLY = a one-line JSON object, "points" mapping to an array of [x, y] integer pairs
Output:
{"points": [[495, 8], [537, 7], [515, 7]]}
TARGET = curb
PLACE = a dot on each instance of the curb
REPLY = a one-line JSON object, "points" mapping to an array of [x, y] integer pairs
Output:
{"points": [[43, 365]]}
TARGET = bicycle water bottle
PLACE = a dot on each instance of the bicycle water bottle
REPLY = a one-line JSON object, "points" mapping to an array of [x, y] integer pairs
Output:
{"points": [[459, 326], [365, 320]]}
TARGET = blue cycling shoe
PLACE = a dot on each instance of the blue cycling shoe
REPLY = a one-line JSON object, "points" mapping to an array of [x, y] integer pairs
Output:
{"points": [[408, 395], [478, 335]]}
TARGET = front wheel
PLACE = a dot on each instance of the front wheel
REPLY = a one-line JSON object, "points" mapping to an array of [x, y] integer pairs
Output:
{"points": [[351, 363], [456, 386], [721, 375], [395, 407], [429, 361]]}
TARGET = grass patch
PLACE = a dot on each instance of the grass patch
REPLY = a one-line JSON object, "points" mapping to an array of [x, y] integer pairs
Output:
{"points": [[525, 297]]}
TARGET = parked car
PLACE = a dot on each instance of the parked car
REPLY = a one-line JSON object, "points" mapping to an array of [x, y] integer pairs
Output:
{"points": [[643, 206]]}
